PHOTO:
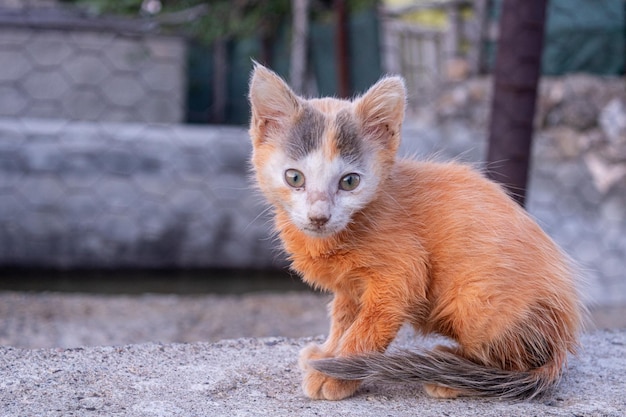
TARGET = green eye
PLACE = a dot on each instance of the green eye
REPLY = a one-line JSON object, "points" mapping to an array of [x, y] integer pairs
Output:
{"points": [[294, 178], [349, 182]]}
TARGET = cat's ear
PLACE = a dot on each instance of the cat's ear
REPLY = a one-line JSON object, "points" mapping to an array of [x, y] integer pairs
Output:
{"points": [[272, 102], [381, 111]]}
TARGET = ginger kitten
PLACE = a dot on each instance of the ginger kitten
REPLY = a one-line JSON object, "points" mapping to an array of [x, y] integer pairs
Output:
{"points": [[397, 240]]}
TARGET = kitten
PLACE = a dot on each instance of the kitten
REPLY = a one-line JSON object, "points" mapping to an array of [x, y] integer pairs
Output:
{"points": [[433, 244]]}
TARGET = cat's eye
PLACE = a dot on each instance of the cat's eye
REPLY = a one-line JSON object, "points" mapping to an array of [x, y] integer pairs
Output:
{"points": [[349, 182], [294, 178]]}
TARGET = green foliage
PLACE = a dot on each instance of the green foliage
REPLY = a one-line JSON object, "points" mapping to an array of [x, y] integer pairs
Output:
{"points": [[223, 18], [238, 18], [125, 7]]}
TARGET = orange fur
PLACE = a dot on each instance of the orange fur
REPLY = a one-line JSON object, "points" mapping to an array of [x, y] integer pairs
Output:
{"points": [[439, 247]]}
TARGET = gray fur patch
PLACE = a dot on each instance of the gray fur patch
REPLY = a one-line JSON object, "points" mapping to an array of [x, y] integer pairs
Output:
{"points": [[437, 367], [306, 134], [348, 140]]}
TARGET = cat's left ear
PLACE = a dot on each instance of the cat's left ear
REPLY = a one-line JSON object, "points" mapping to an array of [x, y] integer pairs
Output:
{"points": [[381, 111], [272, 102]]}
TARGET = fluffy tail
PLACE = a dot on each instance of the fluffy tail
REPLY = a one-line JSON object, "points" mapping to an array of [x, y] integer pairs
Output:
{"points": [[442, 368]]}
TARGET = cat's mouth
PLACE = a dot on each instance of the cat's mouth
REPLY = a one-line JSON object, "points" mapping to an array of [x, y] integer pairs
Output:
{"points": [[322, 228], [318, 231]]}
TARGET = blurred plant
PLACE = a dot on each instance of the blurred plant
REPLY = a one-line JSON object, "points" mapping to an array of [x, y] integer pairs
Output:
{"points": [[206, 20], [209, 20]]}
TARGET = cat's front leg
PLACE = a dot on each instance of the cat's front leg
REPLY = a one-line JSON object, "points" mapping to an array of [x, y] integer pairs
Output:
{"points": [[343, 312], [375, 325], [372, 331]]}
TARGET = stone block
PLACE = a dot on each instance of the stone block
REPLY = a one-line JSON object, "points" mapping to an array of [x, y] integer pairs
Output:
{"points": [[45, 85], [14, 65], [12, 100], [161, 108], [161, 76], [86, 69], [108, 177], [117, 194], [41, 191], [124, 90], [92, 42], [79, 74], [11, 37], [48, 49], [127, 55], [166, 48], [84, 104]]}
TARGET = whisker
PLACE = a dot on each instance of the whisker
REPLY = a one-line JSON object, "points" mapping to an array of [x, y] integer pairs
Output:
{"points": [[262, 213]]}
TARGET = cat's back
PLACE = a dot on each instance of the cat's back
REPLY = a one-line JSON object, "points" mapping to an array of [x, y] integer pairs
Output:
{"points": [[448, 187], [470, 227], [460, 214]]}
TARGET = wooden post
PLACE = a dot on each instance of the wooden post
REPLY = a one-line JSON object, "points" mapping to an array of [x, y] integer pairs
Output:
{"points": [[477, 34], [299, 38], [453, 38], [220, 81], [516, 76], [342, 58]]}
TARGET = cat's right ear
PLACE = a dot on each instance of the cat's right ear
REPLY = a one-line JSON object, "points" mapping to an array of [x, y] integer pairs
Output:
{"points": [[272, 102], [381, 111]]}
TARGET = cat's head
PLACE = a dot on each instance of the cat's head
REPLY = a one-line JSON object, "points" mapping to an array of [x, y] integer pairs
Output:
{"points": [[322, 160]]}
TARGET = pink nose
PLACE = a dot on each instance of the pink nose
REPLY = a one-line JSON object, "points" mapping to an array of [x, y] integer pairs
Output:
{"points": [[319, 221]]}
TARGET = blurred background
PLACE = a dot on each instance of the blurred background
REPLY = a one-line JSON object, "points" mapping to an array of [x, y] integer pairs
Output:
{"points": [[125, 199]]}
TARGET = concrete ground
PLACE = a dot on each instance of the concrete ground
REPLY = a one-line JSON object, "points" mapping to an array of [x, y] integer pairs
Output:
{"points": [[260, 377], [173, 355]]}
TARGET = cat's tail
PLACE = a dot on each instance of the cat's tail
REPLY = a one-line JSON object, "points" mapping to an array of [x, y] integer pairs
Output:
{"points": [[441, 368]]}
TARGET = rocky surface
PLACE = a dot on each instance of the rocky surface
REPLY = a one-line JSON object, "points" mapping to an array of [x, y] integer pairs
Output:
{"points": [[577, 184], [580, 115]]}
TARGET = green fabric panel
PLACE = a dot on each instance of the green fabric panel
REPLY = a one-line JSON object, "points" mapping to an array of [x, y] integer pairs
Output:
{"points": [[581, 36], [364, 50], [584, 36], [199, 88]]}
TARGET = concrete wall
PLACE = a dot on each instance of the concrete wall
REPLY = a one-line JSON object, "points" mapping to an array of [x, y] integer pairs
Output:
{"points": [[80, 194]]}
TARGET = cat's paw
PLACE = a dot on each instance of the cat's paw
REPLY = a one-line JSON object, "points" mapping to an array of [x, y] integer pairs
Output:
{"points": [[318, 386], [321, 387], [438, 391], [311, 352]]}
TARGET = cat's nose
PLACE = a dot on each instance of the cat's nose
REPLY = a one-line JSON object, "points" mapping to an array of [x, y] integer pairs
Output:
{"points": [[319, 221]]}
